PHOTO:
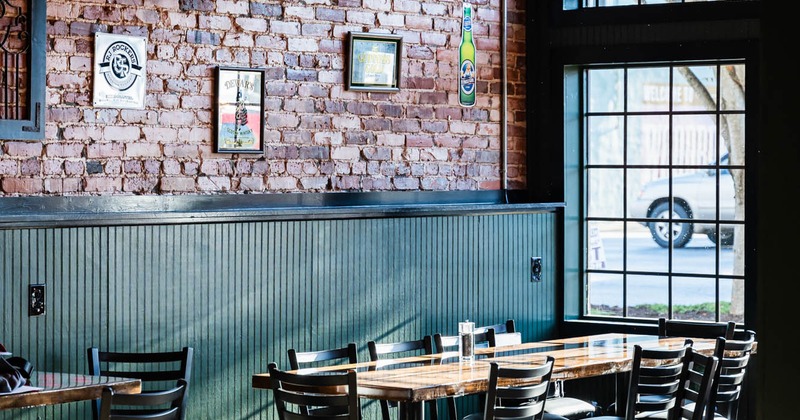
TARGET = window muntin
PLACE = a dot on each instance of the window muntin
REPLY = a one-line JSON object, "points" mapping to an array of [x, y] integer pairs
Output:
{"points": [[678, 129]]}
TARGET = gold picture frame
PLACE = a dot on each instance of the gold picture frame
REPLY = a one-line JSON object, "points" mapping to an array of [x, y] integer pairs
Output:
{"points": [[373, 62], [240, 110]]}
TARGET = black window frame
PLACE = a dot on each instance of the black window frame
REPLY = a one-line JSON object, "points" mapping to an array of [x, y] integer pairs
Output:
{"points": [[32, 127], [633, 34]]}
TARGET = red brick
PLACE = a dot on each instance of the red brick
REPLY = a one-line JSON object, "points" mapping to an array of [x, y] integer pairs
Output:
{"points": [[104, 150], [118, 133], [64, 150], [8, 167], [23, 149], [22, 186], [102, 184], [253, 183], [141, 185], [177, 184], [213, 183], [142, 150]]}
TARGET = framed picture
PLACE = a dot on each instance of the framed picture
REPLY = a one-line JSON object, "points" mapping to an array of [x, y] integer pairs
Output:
{"points": [[373, 62], [120, 77], [240, 110]]}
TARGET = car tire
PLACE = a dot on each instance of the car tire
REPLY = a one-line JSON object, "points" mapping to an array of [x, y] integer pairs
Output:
{"points": [[682, 231], [727, 237]]}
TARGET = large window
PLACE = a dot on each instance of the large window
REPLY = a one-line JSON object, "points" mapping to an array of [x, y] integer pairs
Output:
{"points": [[657, 127], [664, 173]]}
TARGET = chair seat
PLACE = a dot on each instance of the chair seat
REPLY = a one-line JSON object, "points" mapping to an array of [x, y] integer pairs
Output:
{"points": [[571, 408], [547, 416], [717, 416], [645, 415]]}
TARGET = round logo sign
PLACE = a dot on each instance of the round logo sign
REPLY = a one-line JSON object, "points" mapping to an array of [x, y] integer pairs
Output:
{"points": [[120, 66]]}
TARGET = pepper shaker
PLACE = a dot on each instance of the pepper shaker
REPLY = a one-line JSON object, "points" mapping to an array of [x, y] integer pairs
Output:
{"points": [[466, 341]]}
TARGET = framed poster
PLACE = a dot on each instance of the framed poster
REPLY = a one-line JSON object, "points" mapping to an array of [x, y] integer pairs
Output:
{"points": [[119, 71], [373, 61], [240, 110]]}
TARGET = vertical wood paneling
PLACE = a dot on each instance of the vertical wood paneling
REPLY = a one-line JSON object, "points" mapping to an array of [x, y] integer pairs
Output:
{"points": [[242, 294]]}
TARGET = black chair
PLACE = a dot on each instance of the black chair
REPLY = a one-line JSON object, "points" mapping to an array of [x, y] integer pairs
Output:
{"points": [[697, 329], [347, 354], [559, 404], [159, 405], [698, 377], [316, 358], [516, 392], [655, 381], [158, 371], [734, 356], [380, 351], [506, 327], [335, 394], [447, 345]]}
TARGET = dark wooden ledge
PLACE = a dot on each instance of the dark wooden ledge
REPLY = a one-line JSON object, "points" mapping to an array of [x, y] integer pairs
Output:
{"points": [[33, 212]]}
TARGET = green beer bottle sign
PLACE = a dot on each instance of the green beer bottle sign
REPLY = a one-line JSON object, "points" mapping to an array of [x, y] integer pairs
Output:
{"points": [[466, 57]]}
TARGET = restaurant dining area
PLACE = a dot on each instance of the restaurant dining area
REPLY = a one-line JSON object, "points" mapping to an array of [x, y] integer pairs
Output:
{"points": [[397, 209]]}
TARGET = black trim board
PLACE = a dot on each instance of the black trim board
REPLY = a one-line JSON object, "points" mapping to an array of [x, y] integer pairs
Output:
{"points": [[72, 211]]}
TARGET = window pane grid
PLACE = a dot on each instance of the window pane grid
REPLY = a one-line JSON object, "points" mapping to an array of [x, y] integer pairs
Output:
{"points": [[645, 115]]}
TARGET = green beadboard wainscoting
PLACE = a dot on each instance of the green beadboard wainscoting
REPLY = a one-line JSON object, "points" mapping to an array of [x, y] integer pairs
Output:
{"points": [[242, 293]]}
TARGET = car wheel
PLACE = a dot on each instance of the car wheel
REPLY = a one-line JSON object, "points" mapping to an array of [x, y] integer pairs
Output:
{"points": [[681, 232], [727, 237]]}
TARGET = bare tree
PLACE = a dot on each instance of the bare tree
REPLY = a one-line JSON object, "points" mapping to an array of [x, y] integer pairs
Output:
{"points": [[732, 89]]}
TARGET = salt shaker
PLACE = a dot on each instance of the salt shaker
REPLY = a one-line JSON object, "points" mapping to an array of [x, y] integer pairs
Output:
{"points": [[466, 341]]}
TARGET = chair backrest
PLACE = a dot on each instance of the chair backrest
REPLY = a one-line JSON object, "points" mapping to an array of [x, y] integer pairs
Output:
{"points": [[655, 379], [517, 392], [347, 354], [158, 405], [379, 351], [734, 356], [696, 383], [158, 371], [334, 393], [697, 329], [483, 337], [506, 327]]}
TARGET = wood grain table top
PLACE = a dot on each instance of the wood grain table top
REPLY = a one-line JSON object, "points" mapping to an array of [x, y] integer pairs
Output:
{"points": [[67, 387], [428, 377]]}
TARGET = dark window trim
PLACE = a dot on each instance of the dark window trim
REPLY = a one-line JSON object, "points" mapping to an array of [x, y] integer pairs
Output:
{"points": [[561, 38], [34, 127], [657, 13], [573, 57]]}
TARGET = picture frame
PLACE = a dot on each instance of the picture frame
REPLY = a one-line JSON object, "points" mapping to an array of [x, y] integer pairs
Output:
{"points": [[239, 124], [373, 62]]}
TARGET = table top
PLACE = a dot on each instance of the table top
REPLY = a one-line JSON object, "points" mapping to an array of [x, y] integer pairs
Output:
{"points": [[67, 387], [428, 377]]}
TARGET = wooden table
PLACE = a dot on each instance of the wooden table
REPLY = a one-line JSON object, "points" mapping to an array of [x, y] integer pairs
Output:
{"points": [[575, 358], [67, 387]]}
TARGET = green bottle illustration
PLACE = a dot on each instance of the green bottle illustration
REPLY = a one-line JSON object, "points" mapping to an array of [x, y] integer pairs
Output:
{"points": [[466, 57]]}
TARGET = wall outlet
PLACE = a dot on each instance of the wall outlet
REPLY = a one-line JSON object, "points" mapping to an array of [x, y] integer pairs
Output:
{"points": [[536, 269], [36, 303]]}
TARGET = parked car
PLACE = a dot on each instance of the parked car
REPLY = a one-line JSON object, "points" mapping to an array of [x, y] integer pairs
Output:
{"points": [[695, 198]]}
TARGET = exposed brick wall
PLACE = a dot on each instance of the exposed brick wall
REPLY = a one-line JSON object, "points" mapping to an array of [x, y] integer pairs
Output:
{"points": [[319, 137]]}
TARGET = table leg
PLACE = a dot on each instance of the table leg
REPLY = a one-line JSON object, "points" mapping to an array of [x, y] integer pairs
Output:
{"points": [[412, 411]]}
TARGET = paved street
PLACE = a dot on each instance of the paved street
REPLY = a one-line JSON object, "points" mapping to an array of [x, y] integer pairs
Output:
{"points": [[643, 254]]}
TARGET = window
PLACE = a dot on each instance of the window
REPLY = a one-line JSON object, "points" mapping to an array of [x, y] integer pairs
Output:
{"points": [[664, 190], [22, 69], [656, 133]]}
